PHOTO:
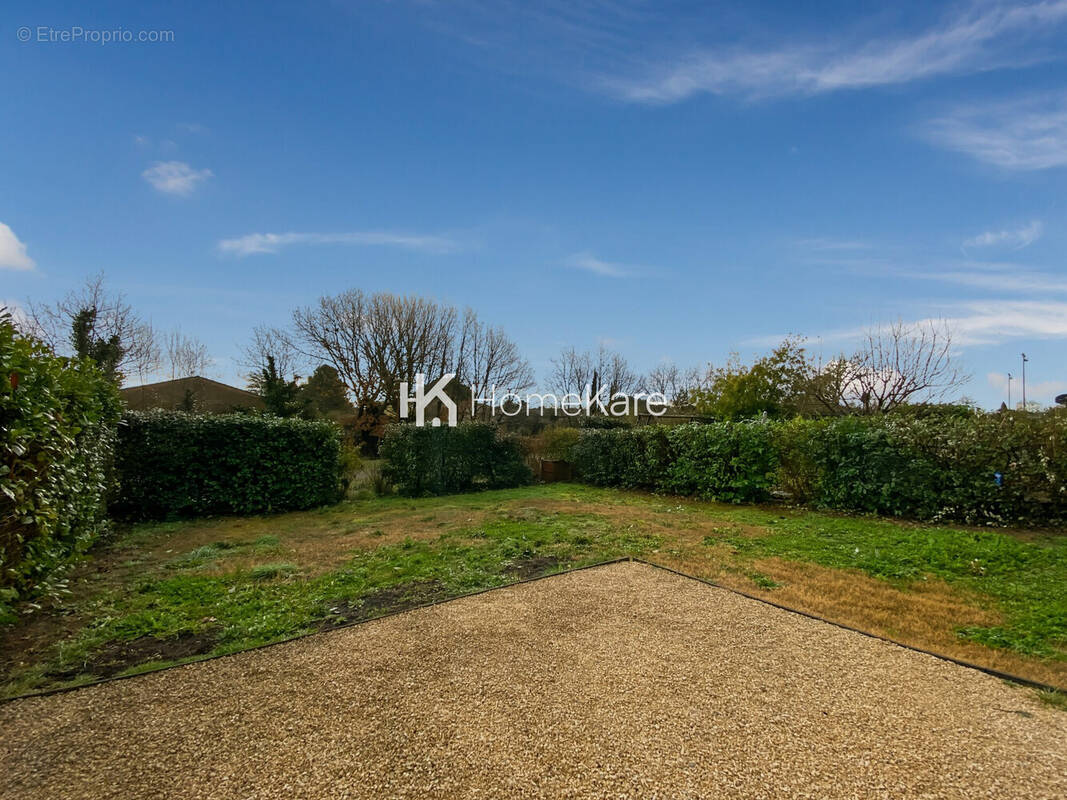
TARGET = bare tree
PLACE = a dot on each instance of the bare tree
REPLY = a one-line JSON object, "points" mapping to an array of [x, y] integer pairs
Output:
{"points": [[673, 383], [406, 336], [894, 365], [485, 358], [270, 343], [605, 372], [376, 342], [185, 356], [111, 316]]}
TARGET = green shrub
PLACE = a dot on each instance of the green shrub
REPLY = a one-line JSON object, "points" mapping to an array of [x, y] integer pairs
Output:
{"points": [[930, 462], [944, 465], [57, 419], [444, 460], [798, 475], [735, 462], [172, 464], [731, 461], [629, 458], [555, 443]]}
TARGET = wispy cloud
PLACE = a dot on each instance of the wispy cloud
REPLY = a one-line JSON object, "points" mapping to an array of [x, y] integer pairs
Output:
{"points": [[985, 37], [608, 269], [991, 321], [175, 177], [12, 251], [1017, 280], [1027, 134], [1015, 238], [981, 322], [273, 242]]}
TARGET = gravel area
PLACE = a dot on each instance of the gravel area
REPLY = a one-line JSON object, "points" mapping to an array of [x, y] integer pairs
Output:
{"points": [[619, 681]]}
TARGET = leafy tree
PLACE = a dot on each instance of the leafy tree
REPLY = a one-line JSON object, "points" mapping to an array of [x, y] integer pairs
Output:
{"points": [[325, 393], [107, 353], [281, 397], [776, 385]]}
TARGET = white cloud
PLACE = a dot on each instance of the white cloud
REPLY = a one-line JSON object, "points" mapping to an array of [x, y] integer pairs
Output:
{"points": [[175, 177], [1017, 238], [1027, 134], [989, 322], [975, 41], [273, 242], [12, 251], [607, 269], [1020, 280], [972, 323]]}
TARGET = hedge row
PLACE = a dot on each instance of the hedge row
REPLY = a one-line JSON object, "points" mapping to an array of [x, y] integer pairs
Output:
{"points": [[731, 461], [172, 464], [974, 467], [961, 465], [444, 460], [57, 420]]}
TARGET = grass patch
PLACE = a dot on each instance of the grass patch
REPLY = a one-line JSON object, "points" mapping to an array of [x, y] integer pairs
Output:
{"points": [[994, 597], [1026, 578], [273, 601]]}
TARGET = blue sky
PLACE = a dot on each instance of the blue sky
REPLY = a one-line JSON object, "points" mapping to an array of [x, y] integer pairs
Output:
{"points": [[679, 180]]}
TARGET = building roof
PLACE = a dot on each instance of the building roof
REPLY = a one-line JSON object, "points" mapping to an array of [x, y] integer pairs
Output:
{"points": [[194, 393]]}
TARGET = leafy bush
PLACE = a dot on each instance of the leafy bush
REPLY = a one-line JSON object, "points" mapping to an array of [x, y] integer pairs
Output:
{"points": [[444, 460], [735, 462], [57, 419], [798, 475], [944, 465], [930, 463], [172, 464], [629, 458]]}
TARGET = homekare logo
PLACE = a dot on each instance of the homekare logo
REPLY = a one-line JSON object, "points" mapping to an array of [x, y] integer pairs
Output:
{"points": [[510, 404]]}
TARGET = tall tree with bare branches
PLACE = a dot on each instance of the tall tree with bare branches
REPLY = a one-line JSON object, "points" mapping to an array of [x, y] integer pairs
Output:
{"points": [[486, 357], [376, 342], [901, 363], [185, 356], [105, 317], [270, 345], [675, 384], [604, 371]]}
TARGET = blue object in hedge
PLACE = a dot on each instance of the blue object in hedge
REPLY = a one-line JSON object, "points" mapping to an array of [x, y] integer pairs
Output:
{"points": [[998, 478]]}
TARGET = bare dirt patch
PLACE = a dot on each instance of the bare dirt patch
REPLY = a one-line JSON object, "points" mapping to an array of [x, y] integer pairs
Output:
{"points": [[525, 568], [118, 656], [402, 597]]}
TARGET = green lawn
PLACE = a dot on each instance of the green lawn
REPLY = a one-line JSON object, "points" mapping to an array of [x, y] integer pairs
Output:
{"points": [[177, 591]]}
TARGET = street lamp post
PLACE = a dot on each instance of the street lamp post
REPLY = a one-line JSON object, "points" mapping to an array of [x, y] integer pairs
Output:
{"points": [[1025, 359], [1009, 391]]}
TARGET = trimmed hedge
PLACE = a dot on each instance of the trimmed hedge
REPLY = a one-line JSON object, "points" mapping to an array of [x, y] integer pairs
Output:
{"points": [[57, 419], [943, 465], [444, 460], [934, 463], [730, 461], [172, 464]]}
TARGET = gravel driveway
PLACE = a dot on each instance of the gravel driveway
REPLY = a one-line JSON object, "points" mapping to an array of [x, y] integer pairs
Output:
{"points": [[619, 681]]}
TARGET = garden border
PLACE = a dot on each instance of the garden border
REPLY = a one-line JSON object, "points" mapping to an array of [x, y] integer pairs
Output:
{"points": [[1005, 676]]}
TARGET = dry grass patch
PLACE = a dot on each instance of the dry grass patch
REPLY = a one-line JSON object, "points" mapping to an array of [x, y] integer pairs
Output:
{"points": [[265, 578]]}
